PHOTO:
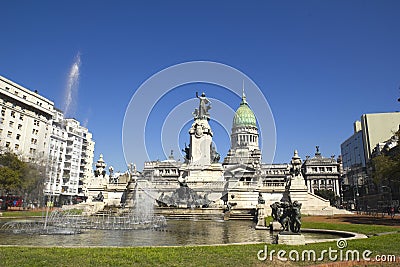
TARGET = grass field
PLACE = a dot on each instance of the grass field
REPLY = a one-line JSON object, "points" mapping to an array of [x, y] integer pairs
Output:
{"points": [[380, 243], [24, 213]]}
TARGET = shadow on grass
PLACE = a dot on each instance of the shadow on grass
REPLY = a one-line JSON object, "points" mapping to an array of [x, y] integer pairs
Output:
{"points": [[363, 219]]}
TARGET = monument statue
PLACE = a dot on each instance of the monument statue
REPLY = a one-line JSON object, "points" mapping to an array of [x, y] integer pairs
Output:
{"points": [[99, 197], [186, 150], [296, 217], [287, 212], [184, 197], [288, 215], [260, 199], [204, 107], [296, 164], [215, 157], [285, 217], [275, 207]]}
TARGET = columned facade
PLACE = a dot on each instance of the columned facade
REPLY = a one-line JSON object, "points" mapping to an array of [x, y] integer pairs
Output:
{"points": [[321, 173]]}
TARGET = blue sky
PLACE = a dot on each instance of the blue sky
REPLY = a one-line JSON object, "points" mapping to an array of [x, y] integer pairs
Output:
{"points": [[319, 64]]}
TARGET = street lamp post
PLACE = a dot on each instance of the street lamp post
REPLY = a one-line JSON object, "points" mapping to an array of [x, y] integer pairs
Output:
{"points": [[356, 194]]}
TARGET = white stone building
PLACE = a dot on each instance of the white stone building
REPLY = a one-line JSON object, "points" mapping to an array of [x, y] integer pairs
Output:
{"points": [[33, 128], [57, 152], [70, 157], [321, 173], [25, 120]]}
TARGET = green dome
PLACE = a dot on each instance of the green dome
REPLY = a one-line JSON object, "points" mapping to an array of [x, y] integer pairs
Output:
{"points": [[244, 116]]}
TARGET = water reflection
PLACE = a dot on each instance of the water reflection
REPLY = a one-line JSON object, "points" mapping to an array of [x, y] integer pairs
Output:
{"points": [[176, 233]]}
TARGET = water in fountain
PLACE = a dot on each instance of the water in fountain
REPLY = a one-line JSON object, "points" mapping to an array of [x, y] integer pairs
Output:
{"points": [[58, 222], [144, 202], [70, 222], [71, 88]]}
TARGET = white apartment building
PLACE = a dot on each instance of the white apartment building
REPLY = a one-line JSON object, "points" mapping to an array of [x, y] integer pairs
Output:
{"points": [[31, 127], [71, 158], [57, 152], [25, 120]]}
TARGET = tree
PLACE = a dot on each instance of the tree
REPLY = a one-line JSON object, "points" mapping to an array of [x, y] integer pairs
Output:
{"points": [[11, 172], [386, 167], [10, 180], [33, 182], [21, 178]]}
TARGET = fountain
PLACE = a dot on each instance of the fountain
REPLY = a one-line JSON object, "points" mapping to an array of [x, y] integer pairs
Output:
{"points": [[62, 222], [68, 222]]}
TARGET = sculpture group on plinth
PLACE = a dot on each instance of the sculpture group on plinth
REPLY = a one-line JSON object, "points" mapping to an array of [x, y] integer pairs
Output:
{"points": [[288, 215], [184, 196], [99, 197], [286, 212]]}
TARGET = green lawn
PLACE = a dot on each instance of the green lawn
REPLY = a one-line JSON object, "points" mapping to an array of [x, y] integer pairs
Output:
{"points": [[24, 213], [231, 255], [31, 213]]}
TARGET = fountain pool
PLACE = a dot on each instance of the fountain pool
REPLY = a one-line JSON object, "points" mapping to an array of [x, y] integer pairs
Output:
{"points": [[176, 233]]}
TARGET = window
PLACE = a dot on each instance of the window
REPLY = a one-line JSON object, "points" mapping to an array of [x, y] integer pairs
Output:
{"points": [[11, 124], [18, 136], [36, 122], [21, 117], [16, 146], [35, 131], [13, 114], [9, 134], [7, 144], [24, 97], [19, 126], [329, 169]]}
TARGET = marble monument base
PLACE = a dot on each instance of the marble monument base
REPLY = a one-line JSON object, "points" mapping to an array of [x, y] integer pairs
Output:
{"points": [[275, 226], [291, 239]]}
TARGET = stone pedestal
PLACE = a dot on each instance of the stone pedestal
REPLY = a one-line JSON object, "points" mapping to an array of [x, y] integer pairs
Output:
{"points": [[275, 226], [291, 239], [200, 143], [260, 215]]}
